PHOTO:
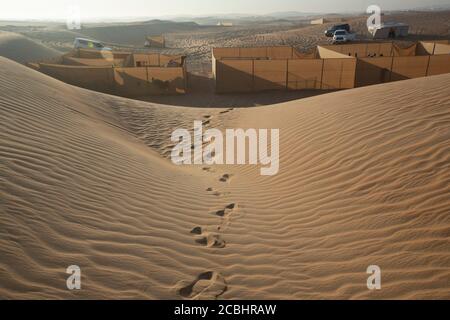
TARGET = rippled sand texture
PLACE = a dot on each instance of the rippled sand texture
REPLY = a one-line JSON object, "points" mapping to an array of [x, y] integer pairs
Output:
{"points": [[86, 180]]}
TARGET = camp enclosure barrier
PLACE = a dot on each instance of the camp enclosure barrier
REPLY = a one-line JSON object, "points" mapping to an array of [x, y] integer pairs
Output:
{"points": [[154, 60], [276, 68], [338, 74], [305, 74], [93, 78], [409, 67], [391, 49], [385, 62], [261, 75], [122, 73], [142, 81], [98, 54], [128, 82], [328, 68], [72, 61], [373, 50], [267, 53], [363, 50], [439, 64], [433, 48], [371, 71], [87, 57]]}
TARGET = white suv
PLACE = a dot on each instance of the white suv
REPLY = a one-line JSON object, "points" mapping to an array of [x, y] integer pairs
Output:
{"points": [[342, 36], [81, 43]]}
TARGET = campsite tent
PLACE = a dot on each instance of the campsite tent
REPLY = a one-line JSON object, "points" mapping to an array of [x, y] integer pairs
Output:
{"points": [[389, 30], [319, 21], [155, 42], [224, 24]]}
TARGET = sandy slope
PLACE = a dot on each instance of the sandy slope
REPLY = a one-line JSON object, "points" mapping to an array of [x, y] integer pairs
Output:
{"points": [[364, 180], [22, 49]]}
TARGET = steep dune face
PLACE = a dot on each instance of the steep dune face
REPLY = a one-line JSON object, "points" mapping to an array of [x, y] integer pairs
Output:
{"points": [[364, 180], [22, 49]]}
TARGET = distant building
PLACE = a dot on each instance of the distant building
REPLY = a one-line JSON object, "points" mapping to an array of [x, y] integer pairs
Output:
{"points": [[155, 42], [389, 30], [224, 24], [327, 20], [319, 21]]}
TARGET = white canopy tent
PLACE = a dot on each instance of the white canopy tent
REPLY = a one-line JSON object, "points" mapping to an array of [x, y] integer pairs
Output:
{"points": [[389, 30]]}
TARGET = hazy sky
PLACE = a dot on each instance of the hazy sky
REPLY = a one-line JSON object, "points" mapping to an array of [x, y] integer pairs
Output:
{"points": [[57, 9]]}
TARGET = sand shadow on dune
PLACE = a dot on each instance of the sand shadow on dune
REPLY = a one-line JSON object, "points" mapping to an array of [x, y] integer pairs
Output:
{"points": [[201, 93]]}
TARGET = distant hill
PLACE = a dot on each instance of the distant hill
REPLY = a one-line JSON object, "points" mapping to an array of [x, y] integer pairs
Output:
{"points": [[135, 33], [288, 14]]}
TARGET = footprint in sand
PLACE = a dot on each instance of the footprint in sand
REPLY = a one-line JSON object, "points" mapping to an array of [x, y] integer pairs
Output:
{"points": [[209, 169], [214, 192], [225, 178], [208, 285], [227, 211], [226, 111], [208, 239], [211, 240], [197, 230]]}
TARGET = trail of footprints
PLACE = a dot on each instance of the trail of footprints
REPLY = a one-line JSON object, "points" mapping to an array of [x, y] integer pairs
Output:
{"points": [[212, 239], [225, 178], [210, 284]]}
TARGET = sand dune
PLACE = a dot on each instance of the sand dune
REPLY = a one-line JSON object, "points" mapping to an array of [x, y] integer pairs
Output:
{"points": [[23, 49], [86, 180]]}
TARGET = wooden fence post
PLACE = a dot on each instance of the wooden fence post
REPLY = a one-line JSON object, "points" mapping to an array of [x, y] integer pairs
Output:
{"points": [[321, 77], [287, 74], [428, 66]]}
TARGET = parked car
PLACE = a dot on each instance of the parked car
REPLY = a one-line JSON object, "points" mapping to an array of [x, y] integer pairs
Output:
{"points": [[343, 36], [81, 43], [330, 32]]}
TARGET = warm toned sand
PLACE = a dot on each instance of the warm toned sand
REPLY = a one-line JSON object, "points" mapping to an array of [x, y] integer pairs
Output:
{"points": [[22, 49], [85, 180]]}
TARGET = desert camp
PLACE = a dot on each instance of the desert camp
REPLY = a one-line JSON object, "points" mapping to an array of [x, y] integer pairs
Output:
{"points": [[236, 69], [389, 30], [121, 73], [327, 68], [155, 42]]}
